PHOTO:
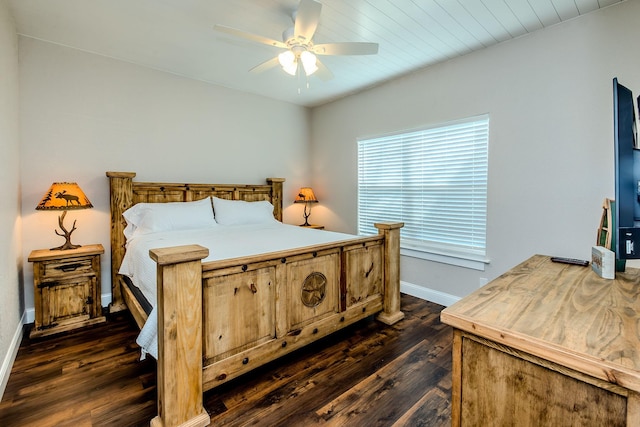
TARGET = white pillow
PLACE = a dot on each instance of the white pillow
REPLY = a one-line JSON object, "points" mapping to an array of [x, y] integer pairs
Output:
{"points": [[145, 218], [239, 212]]}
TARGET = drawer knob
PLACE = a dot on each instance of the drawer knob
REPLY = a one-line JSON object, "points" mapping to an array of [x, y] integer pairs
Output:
{"points": [[69, 267]]}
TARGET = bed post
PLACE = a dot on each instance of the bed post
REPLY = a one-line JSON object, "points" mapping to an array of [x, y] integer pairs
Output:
{"points": [[179, 305], [391, 304], [276, 196], [121, 190]]}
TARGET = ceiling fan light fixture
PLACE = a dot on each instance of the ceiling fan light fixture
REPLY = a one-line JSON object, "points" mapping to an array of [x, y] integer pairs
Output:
{"points": [[286, 59], [309, 62], [291, 69]]}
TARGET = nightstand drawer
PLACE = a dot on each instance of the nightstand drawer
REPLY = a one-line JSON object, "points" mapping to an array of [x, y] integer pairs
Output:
{"points": [[72, 266]]}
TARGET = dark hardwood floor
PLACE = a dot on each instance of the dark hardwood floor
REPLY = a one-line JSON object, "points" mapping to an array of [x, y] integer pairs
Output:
{"points": [[369, 374]]}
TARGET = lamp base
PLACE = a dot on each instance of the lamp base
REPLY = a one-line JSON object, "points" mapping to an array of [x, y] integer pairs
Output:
{"points": [[67, 245], [66, 234], [306, 214]]}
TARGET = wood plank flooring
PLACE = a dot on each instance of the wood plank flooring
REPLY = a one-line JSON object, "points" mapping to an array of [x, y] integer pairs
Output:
{"points": [[369, 374]]}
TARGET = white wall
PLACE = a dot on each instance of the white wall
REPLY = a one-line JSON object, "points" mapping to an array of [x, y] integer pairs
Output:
{"points": [[83, 115], [549, 96], [10, 256]]}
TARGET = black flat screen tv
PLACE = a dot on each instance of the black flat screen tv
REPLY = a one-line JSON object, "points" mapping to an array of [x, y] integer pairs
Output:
{"points": [[627, 176]]}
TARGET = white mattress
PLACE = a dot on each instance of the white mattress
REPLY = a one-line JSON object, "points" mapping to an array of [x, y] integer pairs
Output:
{"points": [[223, 242]]}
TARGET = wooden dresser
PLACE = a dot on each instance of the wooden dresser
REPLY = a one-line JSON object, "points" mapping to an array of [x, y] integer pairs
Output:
{"points": [[548, 344]]}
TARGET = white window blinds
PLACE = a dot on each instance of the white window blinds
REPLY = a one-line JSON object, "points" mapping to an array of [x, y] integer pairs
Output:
{"points": [[434, 180]]}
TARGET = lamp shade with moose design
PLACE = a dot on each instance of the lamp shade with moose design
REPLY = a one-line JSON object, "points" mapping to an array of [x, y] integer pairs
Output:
{"points": [[64, 196]]}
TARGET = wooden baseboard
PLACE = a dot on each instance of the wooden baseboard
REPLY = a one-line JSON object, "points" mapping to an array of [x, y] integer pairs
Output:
{"points": [[428, 294], [10, 356]]}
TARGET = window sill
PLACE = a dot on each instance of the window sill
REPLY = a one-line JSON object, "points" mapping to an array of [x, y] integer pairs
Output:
{"points": [[459, 260]]}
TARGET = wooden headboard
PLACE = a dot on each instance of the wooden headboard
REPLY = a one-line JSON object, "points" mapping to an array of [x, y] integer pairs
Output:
{"points": [[124, 193]]}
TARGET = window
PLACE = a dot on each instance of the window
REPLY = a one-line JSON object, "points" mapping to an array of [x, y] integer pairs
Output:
{"points": [[435, 181]]}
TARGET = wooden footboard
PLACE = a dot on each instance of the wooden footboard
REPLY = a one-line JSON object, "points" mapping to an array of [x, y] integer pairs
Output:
{"points": [[257, 309]]}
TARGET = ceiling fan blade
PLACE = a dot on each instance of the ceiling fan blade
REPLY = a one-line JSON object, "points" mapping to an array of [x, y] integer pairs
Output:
{"points": [[323, 72], [266, 65], [347, 48], [249, 36], [306, 19]]}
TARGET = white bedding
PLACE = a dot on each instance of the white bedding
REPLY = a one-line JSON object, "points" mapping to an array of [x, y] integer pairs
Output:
{"points": [[223, 242]]}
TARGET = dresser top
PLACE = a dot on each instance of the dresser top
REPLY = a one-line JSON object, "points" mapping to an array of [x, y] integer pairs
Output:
{"points": [[563, 313]]}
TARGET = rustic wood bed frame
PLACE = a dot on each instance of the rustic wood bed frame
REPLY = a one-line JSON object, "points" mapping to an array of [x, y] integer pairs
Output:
{"points": [[218, 320]]}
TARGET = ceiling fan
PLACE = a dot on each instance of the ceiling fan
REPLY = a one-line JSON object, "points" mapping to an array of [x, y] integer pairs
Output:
{"points": [[301, 51]]}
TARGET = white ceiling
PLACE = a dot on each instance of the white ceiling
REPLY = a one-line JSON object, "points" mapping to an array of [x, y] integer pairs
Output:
{"points": [[177, 36]]}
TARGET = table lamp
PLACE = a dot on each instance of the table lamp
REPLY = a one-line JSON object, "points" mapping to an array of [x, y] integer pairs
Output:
{"points": [[306, 196], [63, 196]]}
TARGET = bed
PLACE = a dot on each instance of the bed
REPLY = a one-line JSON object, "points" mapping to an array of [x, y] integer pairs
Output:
{"points": [[222, 314]]}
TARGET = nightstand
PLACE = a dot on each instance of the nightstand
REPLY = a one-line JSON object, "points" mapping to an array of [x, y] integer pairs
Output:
{"points": [[66, 288], [317, 227]]}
